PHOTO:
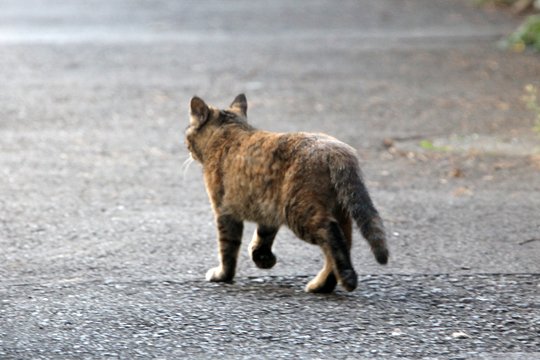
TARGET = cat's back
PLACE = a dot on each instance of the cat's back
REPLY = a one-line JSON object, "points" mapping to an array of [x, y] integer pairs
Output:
{"points": [[264, 152], [312, 149], [265, 170], [295, 143]]}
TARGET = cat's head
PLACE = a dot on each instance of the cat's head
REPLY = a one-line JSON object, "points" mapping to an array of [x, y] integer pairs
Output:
{"points": [[205, 120]]}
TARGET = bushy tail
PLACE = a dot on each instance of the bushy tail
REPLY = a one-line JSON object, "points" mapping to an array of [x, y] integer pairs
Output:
{"points": [[352, 194]]}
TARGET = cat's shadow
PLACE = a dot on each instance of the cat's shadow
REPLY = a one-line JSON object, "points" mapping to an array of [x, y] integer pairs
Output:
{"points": [[278, 287]]}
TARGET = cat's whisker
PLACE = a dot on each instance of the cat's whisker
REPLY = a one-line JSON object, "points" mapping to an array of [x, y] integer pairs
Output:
{"points": [[185, 167]]}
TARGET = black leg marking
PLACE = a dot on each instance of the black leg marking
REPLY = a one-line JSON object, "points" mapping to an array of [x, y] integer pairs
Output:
{"points": [[329, 284], [322, 286], [261, 247], [337, 245]]}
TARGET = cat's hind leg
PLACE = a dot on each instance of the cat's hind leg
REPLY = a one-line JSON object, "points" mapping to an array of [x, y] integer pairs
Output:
{"points": [[229, 239], [307, 215], [325, 281], [318, 227], [260, 248], [336, 245]]}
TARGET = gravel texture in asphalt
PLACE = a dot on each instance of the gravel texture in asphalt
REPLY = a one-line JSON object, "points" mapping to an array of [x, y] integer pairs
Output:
{"points": [[413, 316]]}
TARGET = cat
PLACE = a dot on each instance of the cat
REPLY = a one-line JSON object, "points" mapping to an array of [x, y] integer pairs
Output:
{"points": [[310, 182]]}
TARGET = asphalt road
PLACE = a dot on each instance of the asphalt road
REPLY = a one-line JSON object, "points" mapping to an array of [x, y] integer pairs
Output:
{"points": [[105, 239]]}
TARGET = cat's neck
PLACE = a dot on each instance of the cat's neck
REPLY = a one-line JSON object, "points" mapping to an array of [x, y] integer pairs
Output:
{"points": [[226, 140]]}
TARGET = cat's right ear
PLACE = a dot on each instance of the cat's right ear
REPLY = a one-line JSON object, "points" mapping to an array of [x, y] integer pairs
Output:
{"points": [[198, 111], [239, 105]]}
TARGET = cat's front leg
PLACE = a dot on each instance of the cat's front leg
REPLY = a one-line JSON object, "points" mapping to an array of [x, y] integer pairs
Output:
{"points": [[260, 248], [229, 239]]}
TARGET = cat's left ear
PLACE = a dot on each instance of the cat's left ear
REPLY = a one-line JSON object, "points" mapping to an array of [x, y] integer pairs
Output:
{"points": [[198, 111], [239, 105]]}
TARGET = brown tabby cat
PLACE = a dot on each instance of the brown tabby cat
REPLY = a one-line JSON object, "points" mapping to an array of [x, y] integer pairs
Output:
{"points": [[309, 182]]}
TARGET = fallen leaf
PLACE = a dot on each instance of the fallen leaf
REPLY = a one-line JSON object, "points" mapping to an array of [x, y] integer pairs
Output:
{"points": [[535, 160], [456, 173], [388, 143], [503, 106], [463, 191], [503, 165]]}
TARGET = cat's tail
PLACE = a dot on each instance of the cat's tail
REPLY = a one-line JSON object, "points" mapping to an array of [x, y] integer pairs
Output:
{"points": [[346, 177]]}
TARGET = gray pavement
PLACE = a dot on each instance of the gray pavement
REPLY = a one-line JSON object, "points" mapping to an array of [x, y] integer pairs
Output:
{"points": [[104, 240]]}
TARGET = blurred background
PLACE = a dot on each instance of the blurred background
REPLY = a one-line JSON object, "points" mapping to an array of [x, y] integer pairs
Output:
{"points": [[94, 101]]}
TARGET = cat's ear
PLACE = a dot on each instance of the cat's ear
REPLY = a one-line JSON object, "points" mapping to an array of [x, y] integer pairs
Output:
{"points": [[198, 111], [239, 105]]}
